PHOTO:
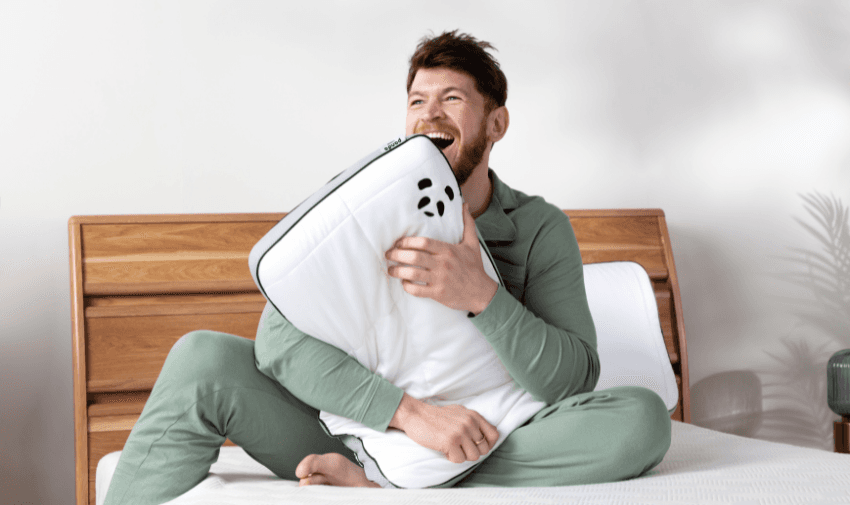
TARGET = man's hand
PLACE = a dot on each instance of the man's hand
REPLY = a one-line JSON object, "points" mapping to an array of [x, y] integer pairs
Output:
{"points": [[456, 431], [453, 274]]}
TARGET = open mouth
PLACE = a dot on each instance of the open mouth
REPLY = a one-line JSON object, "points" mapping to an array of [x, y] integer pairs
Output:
{"points": [[440, 139]]}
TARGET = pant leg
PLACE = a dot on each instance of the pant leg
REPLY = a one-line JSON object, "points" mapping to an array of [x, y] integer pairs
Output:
{"points": [[209, 389], [601, 436]]}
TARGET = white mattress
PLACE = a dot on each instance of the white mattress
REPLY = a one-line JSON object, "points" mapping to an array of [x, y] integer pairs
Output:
{"points": [[701, 467]]}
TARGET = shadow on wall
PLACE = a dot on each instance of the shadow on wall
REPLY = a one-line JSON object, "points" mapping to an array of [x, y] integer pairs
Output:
{"points": [[795, 384], [730, 402]]}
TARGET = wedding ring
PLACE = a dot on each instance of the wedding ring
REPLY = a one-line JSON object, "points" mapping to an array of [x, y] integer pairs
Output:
{"points": [[482, 439]]}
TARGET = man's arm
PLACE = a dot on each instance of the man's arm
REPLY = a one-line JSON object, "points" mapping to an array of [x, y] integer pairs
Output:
{"points": [[547, 345], [321, 375], [328, 379], [548, 342]]}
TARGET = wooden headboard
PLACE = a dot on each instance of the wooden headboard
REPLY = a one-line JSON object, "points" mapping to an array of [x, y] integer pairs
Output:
{"points": [[138, 283]]}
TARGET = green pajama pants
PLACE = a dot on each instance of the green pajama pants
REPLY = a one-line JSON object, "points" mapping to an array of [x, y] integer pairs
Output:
{"points": [[210, 389]]}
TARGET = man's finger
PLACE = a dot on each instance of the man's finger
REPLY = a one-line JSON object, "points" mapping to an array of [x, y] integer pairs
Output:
{"points": [[470, 236], [484, 447], [410, 257], [481, 443], [417, 290], [490, 433], [470, 450], [409, 273], [488, 430], [456, 454], [418, 243]]}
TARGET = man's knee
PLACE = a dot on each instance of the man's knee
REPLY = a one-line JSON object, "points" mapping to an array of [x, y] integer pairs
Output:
{"points": [[203, 354], [645, 437]]}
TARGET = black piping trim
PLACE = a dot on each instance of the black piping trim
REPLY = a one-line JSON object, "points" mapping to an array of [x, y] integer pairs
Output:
{"points": [[363, 446]]}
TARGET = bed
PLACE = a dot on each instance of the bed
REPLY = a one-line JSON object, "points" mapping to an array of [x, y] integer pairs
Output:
{"points": [[702, 467], [138, 283]]}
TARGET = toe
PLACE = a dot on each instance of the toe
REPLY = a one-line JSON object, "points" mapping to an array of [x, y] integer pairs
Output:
{"points": [[307, 466]]}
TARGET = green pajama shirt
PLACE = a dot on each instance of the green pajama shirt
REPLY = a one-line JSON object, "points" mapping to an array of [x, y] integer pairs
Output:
{"points": [[265, 395]]}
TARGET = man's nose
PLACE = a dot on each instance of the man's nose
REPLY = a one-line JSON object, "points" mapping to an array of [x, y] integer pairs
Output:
{"points": [[433, 110]]}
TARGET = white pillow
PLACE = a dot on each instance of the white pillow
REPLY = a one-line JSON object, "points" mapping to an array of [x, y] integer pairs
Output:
{"points": [[628, 333], [323, 268]]}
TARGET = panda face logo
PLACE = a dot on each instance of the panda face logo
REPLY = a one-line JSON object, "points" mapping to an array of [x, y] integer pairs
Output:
{"points": [[425, 201]]}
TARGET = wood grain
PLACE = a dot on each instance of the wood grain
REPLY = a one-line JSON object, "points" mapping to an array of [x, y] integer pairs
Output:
{"points": [[181, 257], [105, 409], [207, 299], [218, 307], [664, 301], [110, 242], [617, 232], [677, 320], [81, 443], [127, 353]]}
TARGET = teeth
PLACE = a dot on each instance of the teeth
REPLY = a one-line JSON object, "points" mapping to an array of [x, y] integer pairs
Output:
{"points": [[439, 135]]}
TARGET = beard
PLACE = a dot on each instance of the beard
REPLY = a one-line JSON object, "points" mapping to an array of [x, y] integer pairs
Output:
{"points": [[470, 156]]}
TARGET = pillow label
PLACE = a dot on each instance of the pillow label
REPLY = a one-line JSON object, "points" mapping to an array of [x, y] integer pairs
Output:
{"points": [[393, 144]]}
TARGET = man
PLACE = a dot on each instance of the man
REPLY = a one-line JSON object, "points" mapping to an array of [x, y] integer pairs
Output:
{"points": [[456, 96], [265, 396]]}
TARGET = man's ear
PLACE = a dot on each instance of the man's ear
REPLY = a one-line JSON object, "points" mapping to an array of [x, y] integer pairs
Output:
{"points": [[497, 123]]}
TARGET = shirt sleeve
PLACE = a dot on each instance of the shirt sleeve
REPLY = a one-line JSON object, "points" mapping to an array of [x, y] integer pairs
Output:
{"points": [[547, 345], [321, 375]]}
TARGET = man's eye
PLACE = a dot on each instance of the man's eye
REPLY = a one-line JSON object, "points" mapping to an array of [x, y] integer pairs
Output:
{"points": [[453, 98], [416, 102]]}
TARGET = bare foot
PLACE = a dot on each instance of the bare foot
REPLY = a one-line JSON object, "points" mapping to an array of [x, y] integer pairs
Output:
{"points": [[332, 470]]}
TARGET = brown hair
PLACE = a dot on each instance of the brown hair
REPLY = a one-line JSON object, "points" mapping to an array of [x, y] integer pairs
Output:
{"points": [[463, 53]]}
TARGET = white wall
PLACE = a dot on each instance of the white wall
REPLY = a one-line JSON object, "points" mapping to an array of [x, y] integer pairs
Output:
{"points": [[721, 113]]}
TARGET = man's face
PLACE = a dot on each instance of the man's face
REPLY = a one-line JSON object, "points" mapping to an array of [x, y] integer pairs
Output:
{"points": [[444, 105]]}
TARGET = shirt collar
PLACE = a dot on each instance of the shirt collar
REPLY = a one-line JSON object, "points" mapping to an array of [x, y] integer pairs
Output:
{"points": [[494, 224]]}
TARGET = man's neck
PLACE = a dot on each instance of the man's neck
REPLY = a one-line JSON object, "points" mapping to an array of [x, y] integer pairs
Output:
{"points": [[478, 190]]}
